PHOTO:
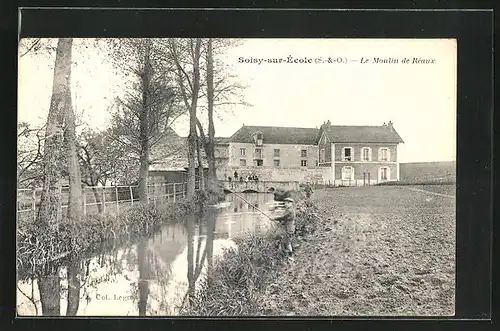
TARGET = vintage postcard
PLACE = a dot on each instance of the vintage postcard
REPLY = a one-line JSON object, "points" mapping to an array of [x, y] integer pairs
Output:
{"points": [[236, 177]]}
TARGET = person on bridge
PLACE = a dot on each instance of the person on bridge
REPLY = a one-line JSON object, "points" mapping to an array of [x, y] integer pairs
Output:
{"points": [[288, 223]]}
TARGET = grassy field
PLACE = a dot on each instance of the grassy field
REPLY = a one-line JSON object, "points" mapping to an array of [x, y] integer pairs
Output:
{"points": [[428, 172], [383, 251]]}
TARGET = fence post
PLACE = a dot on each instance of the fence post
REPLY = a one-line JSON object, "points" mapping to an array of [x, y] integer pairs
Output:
{"points": [[84, 196], [131, 196], [33, 204], [117, 203], [103, 199], [174, 191]]}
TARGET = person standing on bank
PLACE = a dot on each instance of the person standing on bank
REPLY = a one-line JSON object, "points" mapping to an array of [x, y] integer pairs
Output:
{"points": [[288, 222], [308, 189]]}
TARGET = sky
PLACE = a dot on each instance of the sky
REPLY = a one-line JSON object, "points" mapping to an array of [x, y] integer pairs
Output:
{"points": [[419, 98]]}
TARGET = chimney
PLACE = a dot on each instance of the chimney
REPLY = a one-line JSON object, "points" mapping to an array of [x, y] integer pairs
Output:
{"points": [[325, 125], [389, 125]]}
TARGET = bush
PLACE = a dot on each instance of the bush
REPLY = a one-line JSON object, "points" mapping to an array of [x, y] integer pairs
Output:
{"points": [[208, 196]]}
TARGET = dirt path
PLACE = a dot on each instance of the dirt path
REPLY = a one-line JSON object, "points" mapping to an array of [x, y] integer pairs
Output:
{"points": [[377, 251]]}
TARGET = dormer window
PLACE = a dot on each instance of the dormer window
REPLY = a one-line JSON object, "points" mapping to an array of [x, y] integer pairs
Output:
{"points": [[258, 138]]}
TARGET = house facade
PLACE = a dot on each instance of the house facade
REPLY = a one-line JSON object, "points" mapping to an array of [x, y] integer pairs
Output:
{"points": [[359, 155], [339, 155], [273, 154]]}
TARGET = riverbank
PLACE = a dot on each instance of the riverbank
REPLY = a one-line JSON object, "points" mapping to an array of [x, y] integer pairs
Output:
{"points": [[40, 248], [241, 274], [384, 250]]}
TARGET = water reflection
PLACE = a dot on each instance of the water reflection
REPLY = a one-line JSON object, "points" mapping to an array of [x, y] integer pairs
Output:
{"points": [[156, 275]]}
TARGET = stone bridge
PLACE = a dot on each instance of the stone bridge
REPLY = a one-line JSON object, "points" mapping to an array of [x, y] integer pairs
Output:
{"points": [[259, 186]]}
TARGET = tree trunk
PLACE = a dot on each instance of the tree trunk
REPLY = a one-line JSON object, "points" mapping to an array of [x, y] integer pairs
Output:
{"points": [[192, 120], [143, 278], [212, 173], [98, 200], [50, 294], [73, 285], [144, 124], [201, 176], [75, 207], [190, 256], [53, 164]]}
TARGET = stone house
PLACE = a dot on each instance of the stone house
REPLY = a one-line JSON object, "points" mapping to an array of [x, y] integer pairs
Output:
{"points": [[359, 155], [273, 154]]}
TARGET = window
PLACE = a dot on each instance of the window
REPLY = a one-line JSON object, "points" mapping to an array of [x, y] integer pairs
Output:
{"points": [[259, 163], [303, 163], [259, 135], [347, 154], [276, 163], [347, 173], [276, 153], [366, 154], [322, 155], [384, 154], [317, 163], [243, 162], [243, 151], [384, 173], [303, 153], [258, 153]]}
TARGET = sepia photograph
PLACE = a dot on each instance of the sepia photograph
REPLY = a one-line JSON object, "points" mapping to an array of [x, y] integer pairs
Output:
{"points": [[216, 177]]}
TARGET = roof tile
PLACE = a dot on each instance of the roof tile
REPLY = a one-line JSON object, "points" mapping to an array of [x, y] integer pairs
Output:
{"points": [[362, 134], [276, 135]]}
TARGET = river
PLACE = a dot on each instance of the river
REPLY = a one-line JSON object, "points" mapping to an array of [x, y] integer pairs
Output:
{"points": [[151, 276]]}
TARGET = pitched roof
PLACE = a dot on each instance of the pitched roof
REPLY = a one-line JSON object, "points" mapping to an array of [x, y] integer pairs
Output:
{"points": [[276, 135], [172, 154], [362, 134]]}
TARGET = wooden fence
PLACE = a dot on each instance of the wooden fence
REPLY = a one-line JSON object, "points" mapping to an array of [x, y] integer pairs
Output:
{"points": [[100, 199]]}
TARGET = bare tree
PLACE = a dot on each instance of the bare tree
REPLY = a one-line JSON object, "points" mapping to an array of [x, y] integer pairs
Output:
{"points": [[29, 155], [186, 54], [103, 159], [222, 91], [149, 105], [210, 144]]}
